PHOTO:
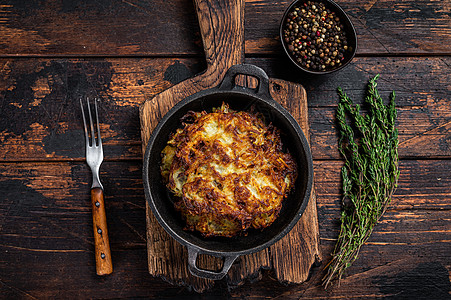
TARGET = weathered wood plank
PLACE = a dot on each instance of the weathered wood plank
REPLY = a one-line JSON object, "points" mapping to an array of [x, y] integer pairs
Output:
{"points": [[69, 275], [405, 272], [170, 28], [405, 75], [43, 95], [421, 185], [99, 28], [398, 227], [49, 204], [423, 132], [63, 273], [45, 222], [50, 234], [27, 82]]}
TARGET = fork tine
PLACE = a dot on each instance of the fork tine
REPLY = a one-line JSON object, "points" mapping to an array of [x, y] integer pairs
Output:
{"points": [[93, 137], [85, 127], [99, 139]]}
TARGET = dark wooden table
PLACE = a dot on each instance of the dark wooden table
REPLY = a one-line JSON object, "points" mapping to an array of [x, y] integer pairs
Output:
{"points": [[124, 52]]}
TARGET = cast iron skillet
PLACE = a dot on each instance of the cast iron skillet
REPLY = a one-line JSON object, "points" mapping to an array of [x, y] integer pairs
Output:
{"points": [[239, 98]]}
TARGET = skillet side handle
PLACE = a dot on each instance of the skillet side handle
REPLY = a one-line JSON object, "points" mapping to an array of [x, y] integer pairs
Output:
{"points": [[228, 83], [207, 274]]}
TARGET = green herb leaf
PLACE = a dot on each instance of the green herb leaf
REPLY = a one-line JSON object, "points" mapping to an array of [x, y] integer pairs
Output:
{"points": [[369, 145]]}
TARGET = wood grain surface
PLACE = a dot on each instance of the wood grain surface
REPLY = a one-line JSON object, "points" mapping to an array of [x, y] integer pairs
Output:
{"points": [[125, 52], [51, 232], [163, 28], [44, 93]]}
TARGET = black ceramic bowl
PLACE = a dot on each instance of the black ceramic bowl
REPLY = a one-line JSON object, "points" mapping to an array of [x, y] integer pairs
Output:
{"points": [[293, 138], [349, 30]]}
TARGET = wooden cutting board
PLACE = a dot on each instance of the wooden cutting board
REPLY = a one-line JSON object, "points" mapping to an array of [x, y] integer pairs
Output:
{"points": [[222, 29]]}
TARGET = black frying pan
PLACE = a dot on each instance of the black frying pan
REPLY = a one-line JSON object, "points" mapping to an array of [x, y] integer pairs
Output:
{"points": [[239, 98]]}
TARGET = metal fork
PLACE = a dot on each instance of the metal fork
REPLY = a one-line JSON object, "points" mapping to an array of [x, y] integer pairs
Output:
{"points": [[94, 158]]}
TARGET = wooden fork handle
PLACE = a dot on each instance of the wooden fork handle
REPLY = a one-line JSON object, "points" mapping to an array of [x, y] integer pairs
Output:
{"points": [[104, 263]]}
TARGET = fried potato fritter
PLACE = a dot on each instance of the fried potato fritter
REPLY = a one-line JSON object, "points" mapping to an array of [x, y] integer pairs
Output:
{"points": [[227, 171]]}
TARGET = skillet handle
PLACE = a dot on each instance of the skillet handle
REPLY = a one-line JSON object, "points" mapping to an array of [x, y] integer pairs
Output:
{"points": [[228, 83], [207, 274]]}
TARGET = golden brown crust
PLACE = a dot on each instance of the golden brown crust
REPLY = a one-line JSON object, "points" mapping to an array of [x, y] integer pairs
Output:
{"points": [[228, 171]]}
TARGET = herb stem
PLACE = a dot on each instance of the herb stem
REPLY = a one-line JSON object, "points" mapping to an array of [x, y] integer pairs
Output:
{"points": [[369, 145]]}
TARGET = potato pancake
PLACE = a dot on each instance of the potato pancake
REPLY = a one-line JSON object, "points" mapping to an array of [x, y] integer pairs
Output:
{"points": [[228, 171]]}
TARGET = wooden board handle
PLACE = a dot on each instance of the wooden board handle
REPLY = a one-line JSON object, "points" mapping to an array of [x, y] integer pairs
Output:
{"points": [[222, 28], [104, 263]]}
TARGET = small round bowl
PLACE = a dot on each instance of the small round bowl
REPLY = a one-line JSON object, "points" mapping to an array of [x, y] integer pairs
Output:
{"points": [[349, 30]]}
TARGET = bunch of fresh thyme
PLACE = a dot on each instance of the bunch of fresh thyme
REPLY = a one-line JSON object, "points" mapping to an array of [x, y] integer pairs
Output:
{"points": [[369, 144]]}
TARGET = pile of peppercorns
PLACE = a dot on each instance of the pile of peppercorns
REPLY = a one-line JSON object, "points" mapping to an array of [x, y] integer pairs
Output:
{"points": [[315, 37]]}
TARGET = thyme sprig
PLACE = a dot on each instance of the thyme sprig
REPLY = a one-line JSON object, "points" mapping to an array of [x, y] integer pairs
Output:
{"points": [[369, 145]]}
